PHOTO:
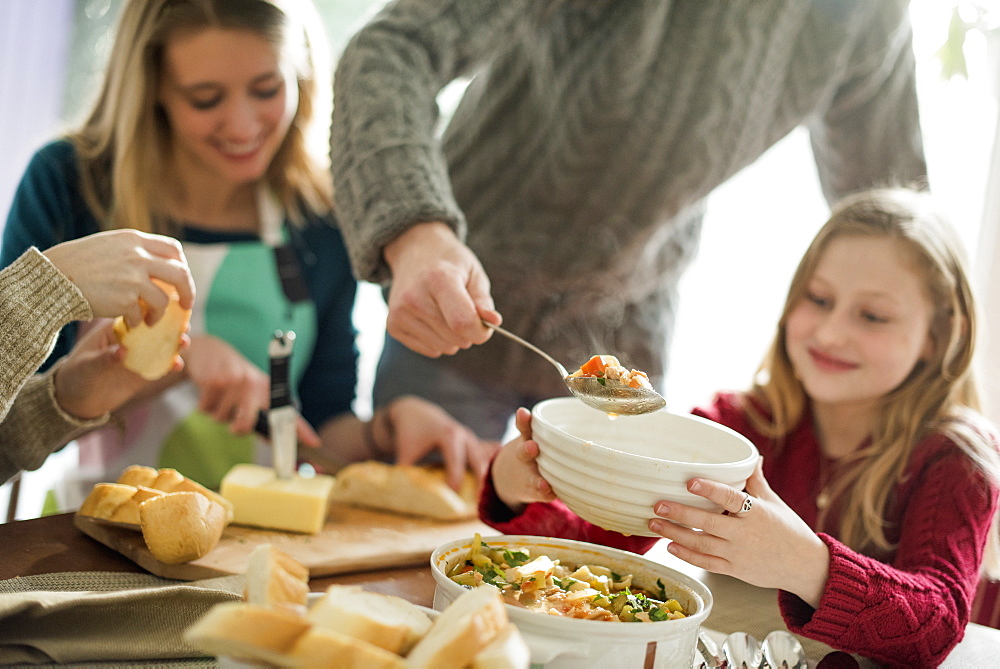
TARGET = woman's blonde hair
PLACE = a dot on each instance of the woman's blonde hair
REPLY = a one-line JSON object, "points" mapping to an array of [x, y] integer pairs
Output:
{"points": [[939, 394], [122, 145]]}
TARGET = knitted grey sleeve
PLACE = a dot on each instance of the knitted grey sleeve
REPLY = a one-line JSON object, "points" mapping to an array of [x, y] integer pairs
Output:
{"points": [[388, 170], [870, 132], [36, 426], [36, 300]]}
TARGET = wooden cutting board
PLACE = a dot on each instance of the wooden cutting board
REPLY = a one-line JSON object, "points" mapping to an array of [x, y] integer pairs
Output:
{"points": [[353, 539]]}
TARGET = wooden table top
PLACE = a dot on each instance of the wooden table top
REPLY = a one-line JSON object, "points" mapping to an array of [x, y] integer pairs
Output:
{"points": [[52, 544]]}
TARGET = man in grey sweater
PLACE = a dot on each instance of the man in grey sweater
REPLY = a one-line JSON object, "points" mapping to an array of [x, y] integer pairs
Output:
{"points": [[569, 185]]}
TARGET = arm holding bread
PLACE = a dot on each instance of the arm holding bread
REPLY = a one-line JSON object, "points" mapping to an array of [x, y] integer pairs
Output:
{"points": [[84, 280]]}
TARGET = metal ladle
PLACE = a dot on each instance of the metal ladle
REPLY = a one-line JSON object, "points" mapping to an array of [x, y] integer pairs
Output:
{"points": [[612, 399]]}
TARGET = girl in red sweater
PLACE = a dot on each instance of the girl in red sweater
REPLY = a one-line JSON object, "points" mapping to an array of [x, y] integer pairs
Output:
{"points": [[878, 477]]}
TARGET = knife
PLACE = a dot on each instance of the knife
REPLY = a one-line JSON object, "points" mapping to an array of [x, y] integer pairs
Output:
{"points": [[282, 416]]}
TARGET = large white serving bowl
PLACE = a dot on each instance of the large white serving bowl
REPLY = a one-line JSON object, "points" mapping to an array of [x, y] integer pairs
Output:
{"points": [[611, 472], [557, 642]]}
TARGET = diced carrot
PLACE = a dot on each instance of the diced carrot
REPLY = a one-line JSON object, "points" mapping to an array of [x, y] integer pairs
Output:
{"points": [[597, 364]]}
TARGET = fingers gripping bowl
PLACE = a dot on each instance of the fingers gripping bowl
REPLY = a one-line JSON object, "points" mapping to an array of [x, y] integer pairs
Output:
{"points": [[558, 642], [611, 472]]}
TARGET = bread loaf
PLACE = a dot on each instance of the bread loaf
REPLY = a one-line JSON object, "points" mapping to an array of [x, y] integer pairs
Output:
{"points": [[274, 578], [248, 632], [181, 526], [324, 648], [469, 624], [169, 480], [389, 622], [117, 502], [152, 350], [411, 490], [507, 651]]}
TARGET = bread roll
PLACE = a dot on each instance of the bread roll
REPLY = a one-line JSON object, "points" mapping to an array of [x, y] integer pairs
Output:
{"points": [[507, 651], [181, 526], [411, 490], [324, 648], [170, 480], [469, 624], [248, 632], [104, 499], [275, 579], [389, 622], [139, 475], [151, 350]]}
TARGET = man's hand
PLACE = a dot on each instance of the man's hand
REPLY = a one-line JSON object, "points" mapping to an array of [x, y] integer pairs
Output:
{"points": [[440, 294]]}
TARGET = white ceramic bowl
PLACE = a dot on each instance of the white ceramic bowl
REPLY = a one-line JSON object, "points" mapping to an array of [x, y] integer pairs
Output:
{"points": [[611, 472], [557, 642]]}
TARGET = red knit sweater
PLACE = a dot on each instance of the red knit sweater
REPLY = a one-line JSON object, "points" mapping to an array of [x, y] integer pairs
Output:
{"points": [[908, 609]]}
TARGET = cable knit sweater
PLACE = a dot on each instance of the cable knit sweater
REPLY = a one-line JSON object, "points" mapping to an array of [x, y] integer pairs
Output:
{"points": [[36, 301], [908, 609], [577, 162]]}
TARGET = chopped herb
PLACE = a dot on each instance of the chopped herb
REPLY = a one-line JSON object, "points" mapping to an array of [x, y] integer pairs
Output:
{"points": [[658, 614], [663, 590], [515, 558]]}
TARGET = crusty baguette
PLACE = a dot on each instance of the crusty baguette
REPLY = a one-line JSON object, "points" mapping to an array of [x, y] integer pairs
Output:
{"points": [[412, 490], [323, 648], [274, 578], [469, 624], [152, 350], [181, 526], [507, 651], [389, 622], [248, 632]]}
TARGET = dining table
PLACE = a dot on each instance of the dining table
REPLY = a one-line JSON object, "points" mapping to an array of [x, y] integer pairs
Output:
{"points": [[52, 545]]}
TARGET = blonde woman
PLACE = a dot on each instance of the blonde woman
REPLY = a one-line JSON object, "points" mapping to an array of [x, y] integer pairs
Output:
{"points": [[879, 479], [211, 126]]}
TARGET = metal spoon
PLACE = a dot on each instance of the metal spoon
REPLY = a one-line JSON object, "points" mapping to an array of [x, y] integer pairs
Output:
{"points": [[742, 651], [783, 651], [609, 399]]}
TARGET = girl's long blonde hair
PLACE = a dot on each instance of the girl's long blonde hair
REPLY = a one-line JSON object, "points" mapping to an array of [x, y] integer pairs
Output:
{"points": [[940, 393], [122, 145]]}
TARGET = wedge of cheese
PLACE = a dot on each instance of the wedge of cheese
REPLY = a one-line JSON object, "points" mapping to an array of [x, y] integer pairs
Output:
{"points": [[261, 499]]}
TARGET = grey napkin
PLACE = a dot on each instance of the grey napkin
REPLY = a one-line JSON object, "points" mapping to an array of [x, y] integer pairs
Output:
{"points": [[76, 617]]}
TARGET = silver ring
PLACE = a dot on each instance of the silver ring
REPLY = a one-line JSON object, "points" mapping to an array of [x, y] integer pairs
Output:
{"points": [[747, 504]]}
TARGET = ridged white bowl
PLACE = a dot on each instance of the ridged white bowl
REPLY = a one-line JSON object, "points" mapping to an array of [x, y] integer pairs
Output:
{"points": [[611, 472], [557, 642]]}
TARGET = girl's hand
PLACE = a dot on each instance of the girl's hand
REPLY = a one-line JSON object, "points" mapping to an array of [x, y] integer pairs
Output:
{"points": [[515, 473], [91, 381], [769, 546], [233, 389], [417, 427]]}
